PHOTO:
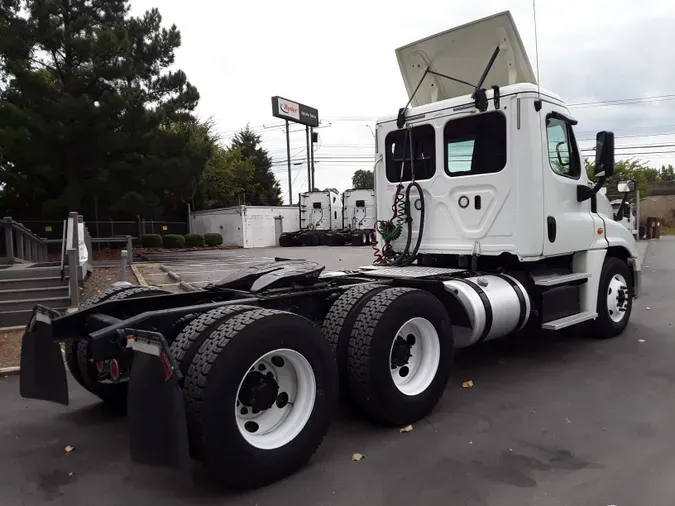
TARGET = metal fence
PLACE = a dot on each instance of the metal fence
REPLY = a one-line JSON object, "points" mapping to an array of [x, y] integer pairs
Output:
{"points": [[109, 228]]}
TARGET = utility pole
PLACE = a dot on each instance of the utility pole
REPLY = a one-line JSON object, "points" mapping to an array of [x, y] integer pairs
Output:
{"points": [[310, 183], [311, 137], [288, 158]]}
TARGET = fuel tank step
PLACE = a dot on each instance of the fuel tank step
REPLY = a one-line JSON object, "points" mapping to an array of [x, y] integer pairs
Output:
{"points": [[559, 279], [568, 321]]}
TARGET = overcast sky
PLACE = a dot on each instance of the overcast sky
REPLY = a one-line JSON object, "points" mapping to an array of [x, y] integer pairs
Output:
{"points": [[339, 58]]}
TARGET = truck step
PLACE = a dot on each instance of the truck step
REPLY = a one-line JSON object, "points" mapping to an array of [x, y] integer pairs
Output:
{"points": [[570, 320], [559, 279]]}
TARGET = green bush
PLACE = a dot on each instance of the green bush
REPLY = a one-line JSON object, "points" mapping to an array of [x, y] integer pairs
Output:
{"points": [[213, 239], [174, 241], [194, 240], [151, 241]]}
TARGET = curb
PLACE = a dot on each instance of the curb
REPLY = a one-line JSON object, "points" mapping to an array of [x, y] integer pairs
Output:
{"points": [[139, 276], [9, 371], [187, 287]]}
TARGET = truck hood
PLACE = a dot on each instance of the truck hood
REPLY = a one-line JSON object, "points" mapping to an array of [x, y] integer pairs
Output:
{"points": [[463, 53]]}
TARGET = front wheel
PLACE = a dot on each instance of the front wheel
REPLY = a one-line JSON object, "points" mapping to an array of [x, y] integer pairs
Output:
{"points": [[615, 299]]}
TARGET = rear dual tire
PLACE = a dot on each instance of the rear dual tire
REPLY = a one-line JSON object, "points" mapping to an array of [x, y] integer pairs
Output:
{"points": [[78, 353], [286, 240], [394, 350], [361, 238], [260, 393]]}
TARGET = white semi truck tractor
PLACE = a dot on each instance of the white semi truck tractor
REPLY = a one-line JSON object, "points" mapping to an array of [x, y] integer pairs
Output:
{"points": [[490, 180], [320, 219], [487, 226], [359, 215]]}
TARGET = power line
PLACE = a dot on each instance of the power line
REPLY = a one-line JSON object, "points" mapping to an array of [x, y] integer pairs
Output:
{"points": [[355, 118], [622, 101]]}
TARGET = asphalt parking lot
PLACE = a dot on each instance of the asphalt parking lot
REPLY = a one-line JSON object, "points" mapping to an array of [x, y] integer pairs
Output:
{"points": [[565, 420]]}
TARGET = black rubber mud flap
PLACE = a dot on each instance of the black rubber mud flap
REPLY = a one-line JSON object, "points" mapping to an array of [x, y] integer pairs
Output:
{"points": [[155, 407], [43, 374]]}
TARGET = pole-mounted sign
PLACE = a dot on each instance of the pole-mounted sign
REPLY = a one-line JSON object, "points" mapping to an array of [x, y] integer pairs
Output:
{"points": [[294, 111], [305, 115]]}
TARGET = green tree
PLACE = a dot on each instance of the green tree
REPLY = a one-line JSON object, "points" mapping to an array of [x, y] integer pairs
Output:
{"points": [[624, 170], [226, 179], [363, 179], [667, 173], [265, 189], [90, 114]]}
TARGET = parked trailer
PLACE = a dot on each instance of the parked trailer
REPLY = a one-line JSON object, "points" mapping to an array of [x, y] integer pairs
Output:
{"points": [[359, 216], [483, 242], [320, 219]]}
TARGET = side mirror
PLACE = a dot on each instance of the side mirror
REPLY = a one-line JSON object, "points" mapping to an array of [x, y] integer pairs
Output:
{"points": [[604, 154], [626, 186]]}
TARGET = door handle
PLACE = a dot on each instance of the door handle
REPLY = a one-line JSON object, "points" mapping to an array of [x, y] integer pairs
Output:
{"points": [[550, 221]]}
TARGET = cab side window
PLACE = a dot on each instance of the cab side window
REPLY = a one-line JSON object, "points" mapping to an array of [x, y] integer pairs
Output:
{"points": [[399, 153], [563, 155]]}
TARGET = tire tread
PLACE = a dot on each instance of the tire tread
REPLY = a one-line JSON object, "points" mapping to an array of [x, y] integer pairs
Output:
{"points": [[200, 367], [190, 338], [359, 347]]}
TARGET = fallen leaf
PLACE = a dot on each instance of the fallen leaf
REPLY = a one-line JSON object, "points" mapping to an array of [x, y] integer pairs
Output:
{"points": [[69, 448], [406, 429], [358, 456], [467, 384], [641, 341]]}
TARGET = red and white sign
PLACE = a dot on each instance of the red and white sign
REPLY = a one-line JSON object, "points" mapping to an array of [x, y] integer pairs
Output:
{"points": [[294, 111], [290, 109]]}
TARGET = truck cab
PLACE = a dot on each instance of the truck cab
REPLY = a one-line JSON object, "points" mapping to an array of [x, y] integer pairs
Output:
{"points": [[499, 180], [505, 179]]}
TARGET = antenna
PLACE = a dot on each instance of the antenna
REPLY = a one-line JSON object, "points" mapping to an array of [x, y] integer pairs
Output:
{"points": [[536, 46]]}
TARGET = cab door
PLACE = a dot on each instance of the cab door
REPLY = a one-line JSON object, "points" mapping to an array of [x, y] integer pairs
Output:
{"points": [[568, 224]]}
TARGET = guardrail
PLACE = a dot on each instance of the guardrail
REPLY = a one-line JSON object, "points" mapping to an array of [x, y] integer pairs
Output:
{"points": [[20, 244]]}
